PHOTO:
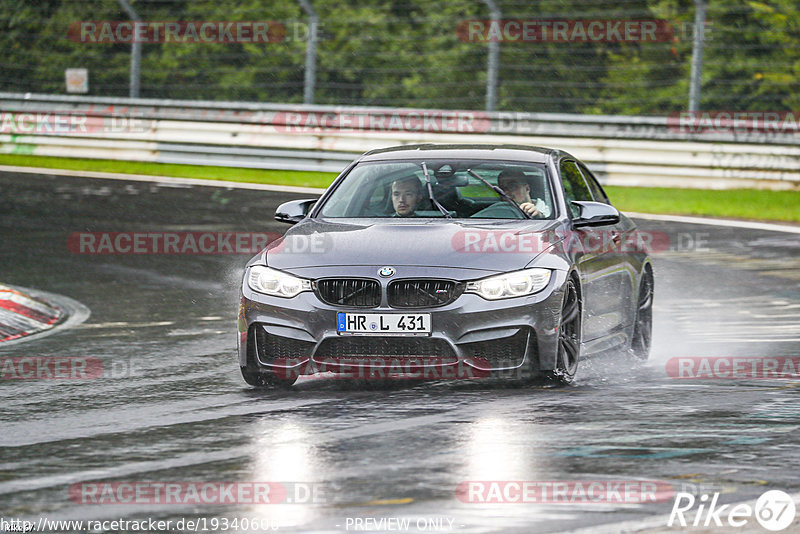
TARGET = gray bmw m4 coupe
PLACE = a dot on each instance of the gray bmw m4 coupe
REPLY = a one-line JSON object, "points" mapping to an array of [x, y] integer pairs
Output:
{"points": [[448, 261]]}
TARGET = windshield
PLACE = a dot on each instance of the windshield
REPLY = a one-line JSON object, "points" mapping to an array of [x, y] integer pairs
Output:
{"points": [[463, 188]]}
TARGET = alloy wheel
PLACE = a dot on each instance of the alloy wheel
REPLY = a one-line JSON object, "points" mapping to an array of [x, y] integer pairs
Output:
{"points": [[643, 327]]}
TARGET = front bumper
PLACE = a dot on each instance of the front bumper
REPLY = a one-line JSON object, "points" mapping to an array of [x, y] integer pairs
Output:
{"points": [[301, 333]]}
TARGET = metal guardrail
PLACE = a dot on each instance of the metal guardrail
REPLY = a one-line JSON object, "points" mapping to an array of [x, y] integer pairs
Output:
{"points": [[622, 150]]}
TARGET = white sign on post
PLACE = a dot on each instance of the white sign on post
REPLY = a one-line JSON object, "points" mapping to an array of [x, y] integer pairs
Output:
{"points": [[77, 80]]}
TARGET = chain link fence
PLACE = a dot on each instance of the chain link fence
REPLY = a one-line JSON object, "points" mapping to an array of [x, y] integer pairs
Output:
{"points": [[629, 57]]}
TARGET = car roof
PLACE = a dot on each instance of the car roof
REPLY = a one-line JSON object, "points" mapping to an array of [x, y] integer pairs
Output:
{"points": [[533, 154]]}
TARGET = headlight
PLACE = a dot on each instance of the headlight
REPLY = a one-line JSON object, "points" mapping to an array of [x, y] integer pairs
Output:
{"points": [[272, 282], [516, 284]]}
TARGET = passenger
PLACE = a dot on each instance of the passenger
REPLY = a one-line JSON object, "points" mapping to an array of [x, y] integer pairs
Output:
{"points": [[516, 185], [406, 195]]}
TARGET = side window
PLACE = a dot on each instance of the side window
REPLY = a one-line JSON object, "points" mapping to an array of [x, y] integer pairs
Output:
{"points": [[597, 191], [574, 185]]}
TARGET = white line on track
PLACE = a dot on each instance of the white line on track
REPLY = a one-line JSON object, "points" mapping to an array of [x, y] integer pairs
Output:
{"points": [[716, 222]]}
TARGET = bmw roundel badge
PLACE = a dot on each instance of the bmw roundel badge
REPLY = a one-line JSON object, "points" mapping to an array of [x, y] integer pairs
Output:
{"points": [[386, 272]]}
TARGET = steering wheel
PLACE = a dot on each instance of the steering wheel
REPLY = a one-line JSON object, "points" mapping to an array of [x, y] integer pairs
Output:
{"points": [[498, 211]]}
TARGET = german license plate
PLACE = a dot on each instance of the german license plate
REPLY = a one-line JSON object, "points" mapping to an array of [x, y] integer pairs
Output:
{"points": [[383, 323]]}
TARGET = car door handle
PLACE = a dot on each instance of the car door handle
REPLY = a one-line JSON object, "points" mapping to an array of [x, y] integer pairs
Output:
{"points": [[615, 236]]}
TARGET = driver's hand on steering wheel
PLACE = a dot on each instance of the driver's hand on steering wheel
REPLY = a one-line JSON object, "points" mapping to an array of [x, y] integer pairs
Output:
{"points": [[530, 209]]}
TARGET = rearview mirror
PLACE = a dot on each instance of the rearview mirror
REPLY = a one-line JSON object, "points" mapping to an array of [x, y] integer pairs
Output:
{"points": [[594, 214], [294, 211]]}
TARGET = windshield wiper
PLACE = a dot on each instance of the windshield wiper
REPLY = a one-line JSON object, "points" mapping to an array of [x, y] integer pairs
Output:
{"points": [[499, 191], [430, 192]]}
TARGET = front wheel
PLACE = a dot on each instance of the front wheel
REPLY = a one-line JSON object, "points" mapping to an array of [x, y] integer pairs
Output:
{"points": [[569, 337], [643, 327]]}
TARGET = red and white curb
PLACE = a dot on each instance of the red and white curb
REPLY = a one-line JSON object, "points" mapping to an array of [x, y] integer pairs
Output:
{"points": [[22, 315]]}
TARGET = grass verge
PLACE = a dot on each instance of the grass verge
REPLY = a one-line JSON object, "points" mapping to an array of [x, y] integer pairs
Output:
{"points": [[206, 172], [731, 203], [753, 204]]}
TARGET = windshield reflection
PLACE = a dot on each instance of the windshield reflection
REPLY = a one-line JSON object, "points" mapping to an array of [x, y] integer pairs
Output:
{"points": [[470, 189]]}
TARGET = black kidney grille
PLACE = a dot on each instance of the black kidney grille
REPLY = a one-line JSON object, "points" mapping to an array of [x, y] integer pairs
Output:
{"points": [[355, 292], [423, 293]]}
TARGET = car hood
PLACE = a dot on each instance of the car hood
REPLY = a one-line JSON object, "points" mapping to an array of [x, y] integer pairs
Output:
{"points": [[457, 244]]}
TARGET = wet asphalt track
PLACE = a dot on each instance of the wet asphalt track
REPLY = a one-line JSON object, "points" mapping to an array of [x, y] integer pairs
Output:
{"points": [[177, 409]]}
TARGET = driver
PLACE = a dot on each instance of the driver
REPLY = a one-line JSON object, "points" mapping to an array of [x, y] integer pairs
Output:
{"points": [[515, 184], [406, 195]]}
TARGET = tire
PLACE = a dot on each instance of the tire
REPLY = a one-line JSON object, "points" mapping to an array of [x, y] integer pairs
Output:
{"points": [[643, 326], [569, 336], [266, 380]]}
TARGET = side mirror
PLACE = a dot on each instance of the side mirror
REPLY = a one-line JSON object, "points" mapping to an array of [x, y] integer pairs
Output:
{"points": [[594, 214], [294, 211]]}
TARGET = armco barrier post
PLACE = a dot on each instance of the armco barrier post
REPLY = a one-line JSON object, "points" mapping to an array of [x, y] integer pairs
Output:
{"points": [[697, 55], [494, 58], [136, 52], [311, 52]]}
